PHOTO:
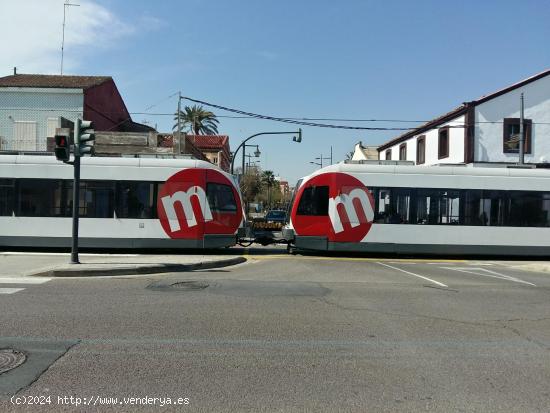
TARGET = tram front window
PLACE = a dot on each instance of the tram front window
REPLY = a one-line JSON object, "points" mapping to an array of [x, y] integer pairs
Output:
{"points": [[314, 201]]}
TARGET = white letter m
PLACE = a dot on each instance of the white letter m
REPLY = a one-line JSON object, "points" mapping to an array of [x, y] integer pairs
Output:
{"points": [[184, 198], [347, 201]]}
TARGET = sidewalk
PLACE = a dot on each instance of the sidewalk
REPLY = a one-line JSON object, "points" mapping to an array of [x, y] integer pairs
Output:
{"points": [[20, 264]]}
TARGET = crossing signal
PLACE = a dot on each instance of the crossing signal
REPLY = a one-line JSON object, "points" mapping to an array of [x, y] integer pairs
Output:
{"points": [[62, 148], [84, 137]]}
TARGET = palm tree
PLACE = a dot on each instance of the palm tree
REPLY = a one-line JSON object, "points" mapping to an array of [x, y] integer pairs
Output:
{"points": [[268, 179], [197, 120]]}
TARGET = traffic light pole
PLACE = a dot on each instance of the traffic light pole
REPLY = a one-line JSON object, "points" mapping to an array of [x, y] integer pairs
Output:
{"points": [[76, 204]]}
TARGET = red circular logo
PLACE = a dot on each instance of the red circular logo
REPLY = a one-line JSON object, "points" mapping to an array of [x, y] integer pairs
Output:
{"points": [[347, 214], [197, 201]]}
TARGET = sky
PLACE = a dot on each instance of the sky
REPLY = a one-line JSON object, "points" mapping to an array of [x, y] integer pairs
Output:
{"points": [[353, 59]]}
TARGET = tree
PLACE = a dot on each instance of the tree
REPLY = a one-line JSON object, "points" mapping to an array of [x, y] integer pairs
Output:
{"points": [[197, 120], [251, 185], [268, 179]]}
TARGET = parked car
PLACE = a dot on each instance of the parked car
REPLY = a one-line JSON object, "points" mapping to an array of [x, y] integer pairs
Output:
{"points": [[276, 216]]}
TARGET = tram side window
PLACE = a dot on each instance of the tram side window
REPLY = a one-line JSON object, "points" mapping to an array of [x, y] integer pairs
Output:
{"points": [[393, 205], [486, 208], [135, 200], [221, 198], [96, 199], [528, 209], [314, 201], [437, 206], [7, 196], [42, 198]]}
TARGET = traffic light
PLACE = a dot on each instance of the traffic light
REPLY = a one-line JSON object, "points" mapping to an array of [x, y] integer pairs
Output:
{"points": [[62, 148], [84, 137]]}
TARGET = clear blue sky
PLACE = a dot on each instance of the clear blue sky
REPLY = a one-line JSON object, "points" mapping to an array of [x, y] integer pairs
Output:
{"points": [[311, 58]]}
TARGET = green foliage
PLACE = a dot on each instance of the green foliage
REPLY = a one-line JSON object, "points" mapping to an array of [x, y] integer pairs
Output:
{"points": [[197, 120]]}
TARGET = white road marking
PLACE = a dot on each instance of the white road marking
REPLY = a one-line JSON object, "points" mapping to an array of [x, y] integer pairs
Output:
{"points": [[23, 280], [488, 273], [413, 274], [10, 290]]}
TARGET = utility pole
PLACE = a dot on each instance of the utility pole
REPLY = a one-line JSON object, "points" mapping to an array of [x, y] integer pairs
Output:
{"points": [[65, 5], [521, 134]]}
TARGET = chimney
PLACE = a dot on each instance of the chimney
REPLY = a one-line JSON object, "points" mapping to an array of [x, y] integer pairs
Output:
{"points": [[14, 70]]}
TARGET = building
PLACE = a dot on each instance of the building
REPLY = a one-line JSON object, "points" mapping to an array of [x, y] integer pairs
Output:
{"points": [[485, 130], [144, 144], [364, 153], [215, 148], [31, 107]]}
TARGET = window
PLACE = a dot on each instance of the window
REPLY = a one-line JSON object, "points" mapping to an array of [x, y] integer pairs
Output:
{"points": [[421, 150], [43, 198], [473, 207], [443, 143], [7, 197], [221, 198], [510, 135], [392, 205], [437, 206], [25, 134], [388, 155], [314, 201], [403, 152], [96, 199], [135, 200], [294, 192]]}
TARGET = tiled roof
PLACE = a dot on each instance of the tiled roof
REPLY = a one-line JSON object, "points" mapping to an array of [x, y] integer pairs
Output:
{"points": [[460, 110], [53, 81], [216, 142]]}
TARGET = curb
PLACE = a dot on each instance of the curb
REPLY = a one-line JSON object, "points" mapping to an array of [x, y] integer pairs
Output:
{"points": [[138, 269]]}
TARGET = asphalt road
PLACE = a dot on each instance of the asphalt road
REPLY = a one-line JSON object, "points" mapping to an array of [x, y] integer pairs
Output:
{"points": [[286, 333]]}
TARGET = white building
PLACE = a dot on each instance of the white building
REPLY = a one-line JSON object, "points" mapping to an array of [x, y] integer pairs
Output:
{"points": [[483, 130]]}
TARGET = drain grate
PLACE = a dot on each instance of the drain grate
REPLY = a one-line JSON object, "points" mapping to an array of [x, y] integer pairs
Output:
{"points": [[189, 285], [10, 359], [181, 286]]}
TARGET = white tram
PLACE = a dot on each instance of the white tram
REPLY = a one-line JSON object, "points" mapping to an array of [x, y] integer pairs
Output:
{"points": [[422, 209], [124, 203]]}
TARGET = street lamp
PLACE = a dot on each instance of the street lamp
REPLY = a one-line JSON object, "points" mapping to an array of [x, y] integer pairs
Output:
{"points": [[321, 159], [256, 154], [296, 138]]}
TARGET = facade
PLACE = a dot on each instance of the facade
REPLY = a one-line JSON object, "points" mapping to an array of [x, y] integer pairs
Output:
{"points": [[31, 107], [215, 148], [364, 153], [485, 130], [285, 189]]}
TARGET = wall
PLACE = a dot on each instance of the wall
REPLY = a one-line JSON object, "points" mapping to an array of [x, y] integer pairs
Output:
{"points": [[105, 107], [37, 105], [488, 136], [456, 144]]}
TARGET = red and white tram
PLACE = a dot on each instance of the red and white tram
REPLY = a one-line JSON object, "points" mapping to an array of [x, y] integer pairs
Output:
{"points": [[124, 203], [427, 210]]}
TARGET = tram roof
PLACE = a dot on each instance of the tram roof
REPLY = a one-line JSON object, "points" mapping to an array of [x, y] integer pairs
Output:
{"points": [[449, 170], [109, 161]]}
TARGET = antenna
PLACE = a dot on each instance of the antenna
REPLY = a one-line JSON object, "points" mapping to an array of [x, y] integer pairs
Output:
{"points": [[65, 5]]}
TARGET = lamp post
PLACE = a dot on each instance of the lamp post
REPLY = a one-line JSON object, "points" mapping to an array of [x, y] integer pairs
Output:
{"points": [[256, 154], [297, 138], [322, 158]]}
